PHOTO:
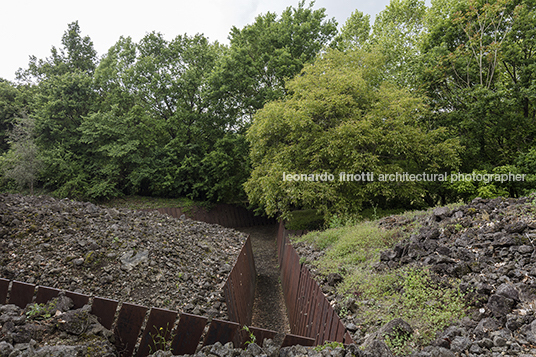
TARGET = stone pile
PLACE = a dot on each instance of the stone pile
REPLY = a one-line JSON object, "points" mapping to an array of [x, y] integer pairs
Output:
{"points": [[131, 256], [53, 329], [489, 245]]}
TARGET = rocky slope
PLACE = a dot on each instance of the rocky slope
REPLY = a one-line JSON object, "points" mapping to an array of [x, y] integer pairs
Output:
{"points": [[53, 330], [489, 246], [140, 257]]}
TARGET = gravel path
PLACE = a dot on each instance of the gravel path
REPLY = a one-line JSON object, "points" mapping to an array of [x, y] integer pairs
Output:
{"points": [[269, 310]]}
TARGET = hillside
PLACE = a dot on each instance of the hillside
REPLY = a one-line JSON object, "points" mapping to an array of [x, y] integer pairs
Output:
{"points": [[454, 281], [141, 257]]}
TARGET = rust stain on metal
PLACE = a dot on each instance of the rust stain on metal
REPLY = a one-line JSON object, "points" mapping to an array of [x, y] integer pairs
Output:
{"points": [[21, 293], [105, 310], [221, 331], [160, 323], [260, 335], [128, 327], [291, 340], [188, 334], [4, 287], [45, 294], [79, 300]]}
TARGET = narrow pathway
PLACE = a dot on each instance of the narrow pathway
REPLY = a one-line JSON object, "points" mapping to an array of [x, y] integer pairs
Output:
{"points": [[269, 311]]}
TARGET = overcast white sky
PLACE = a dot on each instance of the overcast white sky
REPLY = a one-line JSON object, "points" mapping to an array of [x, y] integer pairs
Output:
{"points": [[32, 27]]}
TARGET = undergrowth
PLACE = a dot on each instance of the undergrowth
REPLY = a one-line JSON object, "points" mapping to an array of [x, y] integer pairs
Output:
{"points": [[429, 304]]}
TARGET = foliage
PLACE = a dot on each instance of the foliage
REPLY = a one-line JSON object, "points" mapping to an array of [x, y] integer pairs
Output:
{"points": [[478, 71], [428, 304], [338, 118], [328, 345], [440, 88], [252, 338], [162, 339], [22, 162], [350, 245], [9, 110], [397, 33], [355, 32], [77, 55], [305, 220], [41, 311], [267, 53]]}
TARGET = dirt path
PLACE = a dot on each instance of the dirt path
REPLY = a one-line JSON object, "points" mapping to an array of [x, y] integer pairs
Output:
{"points": [[269, 309]]}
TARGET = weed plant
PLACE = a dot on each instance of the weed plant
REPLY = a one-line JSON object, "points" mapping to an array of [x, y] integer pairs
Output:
{"points": [[414, 294]]}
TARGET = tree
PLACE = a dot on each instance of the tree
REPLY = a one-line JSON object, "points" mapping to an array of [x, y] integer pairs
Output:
{"points": [[22, 162], [77, 54], [479, 73], [341, 118], [9, 110], [267, 53], [355, 32], [397, 34]]}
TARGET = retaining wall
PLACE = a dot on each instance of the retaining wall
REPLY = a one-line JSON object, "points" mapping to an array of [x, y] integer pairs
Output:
{"points": [[310, 313], [223, 214], [188, 330]]}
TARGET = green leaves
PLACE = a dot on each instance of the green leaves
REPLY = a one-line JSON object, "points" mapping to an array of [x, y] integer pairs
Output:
{"points": [[338, 119]]}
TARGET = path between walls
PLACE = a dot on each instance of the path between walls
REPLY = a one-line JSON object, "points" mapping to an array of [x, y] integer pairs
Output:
{"points": [[269, 311]]}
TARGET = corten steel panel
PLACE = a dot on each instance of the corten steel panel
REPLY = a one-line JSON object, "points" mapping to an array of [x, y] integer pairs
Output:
{"points": [[128, 328], [45, 294], [157, 331], [188, 334], [294, 282], [291, 340], [240, 286], [340, 332], [105, 310], [308, 309], [306, 313], [322, 321], [327, 326], [230, 300], [319, 310], [348, 339], [4, 286], [260, 335], [79, 300], [301, 302], [21, 293], [311, 332], [334, 326], [220, 331], [280, 241], [285, 281]]}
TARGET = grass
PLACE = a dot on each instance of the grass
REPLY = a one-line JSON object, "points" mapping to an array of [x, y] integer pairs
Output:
{"points": [[144, 202], [414, 294], [305, 220], [349, 245]]}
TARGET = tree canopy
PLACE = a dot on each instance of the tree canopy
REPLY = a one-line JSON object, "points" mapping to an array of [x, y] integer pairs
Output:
{"points": [[447, 88]]}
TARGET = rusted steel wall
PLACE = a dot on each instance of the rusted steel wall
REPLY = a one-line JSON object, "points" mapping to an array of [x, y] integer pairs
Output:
{"points": [[310, 313], [223, 214], [186, 331], [239, 289]]}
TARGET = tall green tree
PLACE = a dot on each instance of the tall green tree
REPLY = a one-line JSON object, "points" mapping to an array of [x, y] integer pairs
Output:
{"points": [[77, 54], [22, 162], [9, 110], [479, 73], [355, 33], [267, 53], [342, 118], [397, 33]]}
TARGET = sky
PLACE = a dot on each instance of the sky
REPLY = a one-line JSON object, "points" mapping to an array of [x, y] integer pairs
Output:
{"points": [[32, 27]]}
